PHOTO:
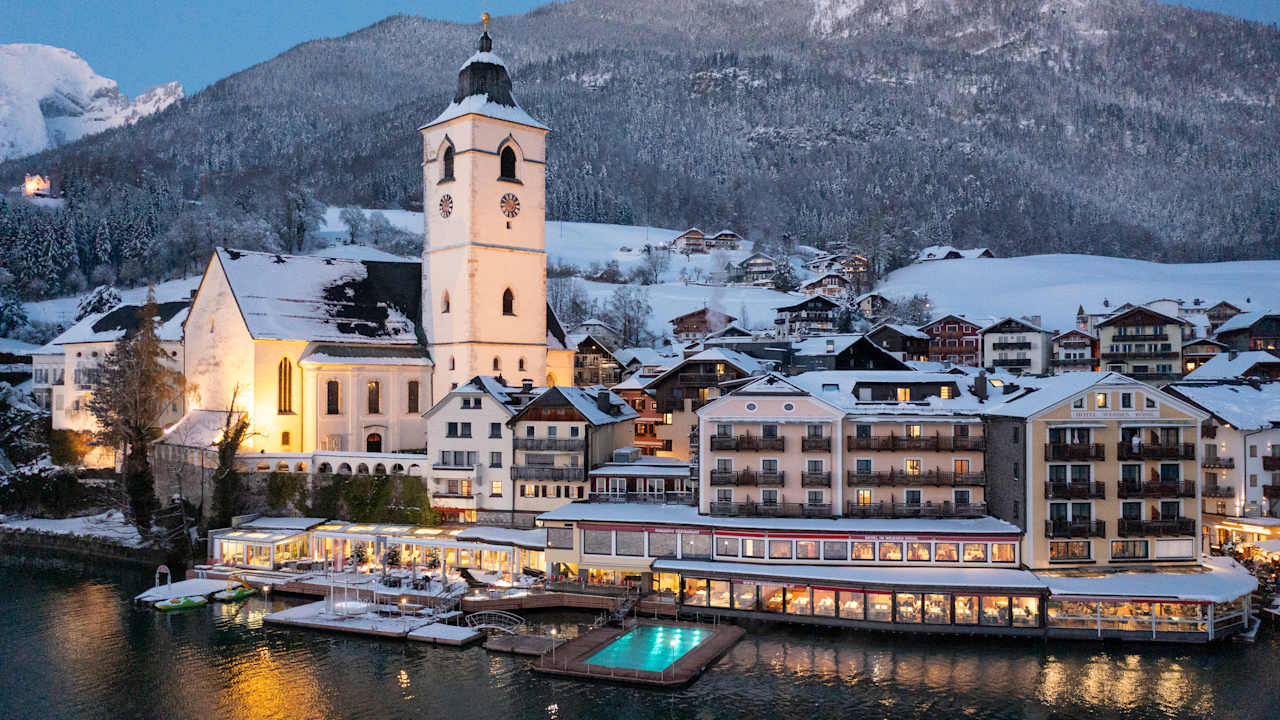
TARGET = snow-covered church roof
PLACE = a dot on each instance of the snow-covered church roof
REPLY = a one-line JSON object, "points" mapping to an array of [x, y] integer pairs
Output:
{"points": [[484, 88]]}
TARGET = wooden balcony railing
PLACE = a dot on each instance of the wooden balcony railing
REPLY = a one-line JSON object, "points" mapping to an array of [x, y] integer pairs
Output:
{"points": [[748, 443], [1143, 528], [1218, 463], [1271, 463], [733, 477], [1157, 489], [1075, 451], [922, 510], [1218, 491], [771, 478], [1145, 451], [815, 444], [938, 478], [1075, 529], [547, 472], [778, 509], [815, 479], [937, 443], [550, 444], [1075, 490]]}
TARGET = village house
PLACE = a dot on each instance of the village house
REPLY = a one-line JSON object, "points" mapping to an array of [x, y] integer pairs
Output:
{"points": [[599, 329], [699, 323], [593, 364], [841, 352], [832, 285], [873, 306], [688, 385], [1018, 345], [1232, 365], [559, 436], [1142, 343], [1199, 351], [637, 478], [755, 269], [690, 241], [1074, 350], [954, 339], [815, 315], [724, 240], [1252, 331], [904, 341], [946, 252]]}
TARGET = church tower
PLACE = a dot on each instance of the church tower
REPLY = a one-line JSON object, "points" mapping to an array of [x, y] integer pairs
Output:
{"points": [[484, 255]]}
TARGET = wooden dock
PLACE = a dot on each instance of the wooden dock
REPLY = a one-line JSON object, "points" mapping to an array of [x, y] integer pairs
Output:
{"points": [[315, 617], [568, 659], [441, 634], [534, 645]]}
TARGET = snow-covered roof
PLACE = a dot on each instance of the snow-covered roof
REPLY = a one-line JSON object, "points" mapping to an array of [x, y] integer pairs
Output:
{"points": [[326, 354], [732, 329], [123, 319], [198, 428], [743, 362], [1219, 579], [906, 330], [646, 356], [482, 105], [1240, 404], [1030, 326], [649, 513], [360, 252], [940, 252], [1227, 365], [838, 388], [1074, 331], [1043, 393], [950, 577], [484, 88], [809, 299], [301, 297], [284, 523], [1244, 320], [17, 347], [535, 539], [1136, 308], [649, 467], [487, 384], [583, 399], [819, 345]]}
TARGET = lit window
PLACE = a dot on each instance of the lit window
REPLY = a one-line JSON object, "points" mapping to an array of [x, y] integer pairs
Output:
{"points": [[1100, 400], [904, 394]]}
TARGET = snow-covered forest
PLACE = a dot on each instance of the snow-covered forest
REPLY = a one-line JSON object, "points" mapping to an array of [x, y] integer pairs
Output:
{"points": [[1116, 127]]}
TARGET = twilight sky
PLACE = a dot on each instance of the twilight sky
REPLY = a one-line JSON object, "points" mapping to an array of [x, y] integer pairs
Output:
{"points": [[143, 43]]}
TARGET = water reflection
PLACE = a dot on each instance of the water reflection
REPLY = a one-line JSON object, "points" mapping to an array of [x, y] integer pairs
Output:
{"points": [[85, 653]]}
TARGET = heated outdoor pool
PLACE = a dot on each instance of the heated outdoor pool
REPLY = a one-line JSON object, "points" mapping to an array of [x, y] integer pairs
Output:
{"points": [[649, 647]]}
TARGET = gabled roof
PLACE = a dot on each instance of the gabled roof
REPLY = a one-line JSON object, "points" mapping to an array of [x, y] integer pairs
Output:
{"points": [[1229, 365], [556, 339], [1074, 331], [1245, 320], [576, 342], [753, 256], [727, 318], [597, 321], [743, 362], [817, 345], [510, 398], [820, 278], [1139, 308], [691, 232], [646, 356], [122, 320], [952, 318], [1242, 405], [1043, 393], [822, 299], [1205, 341], [300, 297], [1019, 321], [899, 328], [733, 329], [583, 400], [722, 233]]}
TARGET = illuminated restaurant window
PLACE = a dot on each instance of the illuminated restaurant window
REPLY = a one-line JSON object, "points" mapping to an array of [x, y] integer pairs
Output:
{"points": [[946, 552], [1002, 552], [835, 550], [1128, 549], [779, 549], [890, 551], [726, 547], [662, 545], [1026, 611], [908, 608], [798, 602], [695, 591], [1126, 616], [851, 605], [752, 547], [918, 551], [880, 607], [1070, 550], [1072, 614], [864, 551], [744, 597], [693, 545], [718, 592], [824, 602], [975, 552], [806, 549], [666, 583], [995, 610], [937, 609], [966, 609], [771, 598]]}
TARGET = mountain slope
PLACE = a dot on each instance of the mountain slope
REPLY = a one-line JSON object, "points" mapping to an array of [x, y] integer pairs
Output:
{"points": [[50, 97], [1117, 127]]}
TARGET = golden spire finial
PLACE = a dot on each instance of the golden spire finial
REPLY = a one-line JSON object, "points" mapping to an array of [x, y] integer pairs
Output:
{"points": [[484, 18]]}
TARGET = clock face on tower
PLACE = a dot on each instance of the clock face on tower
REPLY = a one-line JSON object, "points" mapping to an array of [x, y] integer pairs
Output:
{"points": [[510, 205], [446, 205]]}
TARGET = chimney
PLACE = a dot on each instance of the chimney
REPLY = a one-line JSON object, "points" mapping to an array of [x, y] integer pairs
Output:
{"points": [[980, 386], [1010, 388], [1232, 354], [602, 401], [831, 346], [527, 385]]}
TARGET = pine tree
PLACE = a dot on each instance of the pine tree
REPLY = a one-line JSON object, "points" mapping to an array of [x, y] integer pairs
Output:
{"points": [[134, 387], [784, 278]]}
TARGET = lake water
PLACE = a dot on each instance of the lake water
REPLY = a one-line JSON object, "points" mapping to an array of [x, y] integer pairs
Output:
{"points": [[72, 646]]}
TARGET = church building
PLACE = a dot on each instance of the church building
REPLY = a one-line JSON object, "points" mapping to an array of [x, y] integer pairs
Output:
{"points": [[332, 357]]}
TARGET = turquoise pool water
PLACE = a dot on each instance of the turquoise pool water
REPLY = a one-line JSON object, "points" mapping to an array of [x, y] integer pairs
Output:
{"points": [[649, 647]]}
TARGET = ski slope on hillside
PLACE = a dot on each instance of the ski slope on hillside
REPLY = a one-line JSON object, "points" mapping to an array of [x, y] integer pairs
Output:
{"points": [[1054, 286]]}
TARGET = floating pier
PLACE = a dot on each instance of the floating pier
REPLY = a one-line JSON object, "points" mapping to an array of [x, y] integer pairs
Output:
{"points": [[442, 634]]}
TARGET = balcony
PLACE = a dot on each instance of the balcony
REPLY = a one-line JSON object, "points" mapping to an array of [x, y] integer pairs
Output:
{"points": [[1144, 528], [1075, 451], [1218, 463], [1142, 355], [934, 478], [1157, 489], [778, 509], [547, 472], [926, 510], [1011, 362], [771, 478], [815, 444], [1154, 376], [551, 444], [1143, 337], [1075, 529], [699, 379], [1218, 491], [733, 477], [1075, 490], [748, 443], [1144, 451], [1075, 362], [1011, 346], [936, 443], [1271, 463], [656, 498], [815, 479], [452, 495]]}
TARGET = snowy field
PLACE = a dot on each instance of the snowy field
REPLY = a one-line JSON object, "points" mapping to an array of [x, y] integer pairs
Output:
{"points": [[110, 525], [1053, 286]]}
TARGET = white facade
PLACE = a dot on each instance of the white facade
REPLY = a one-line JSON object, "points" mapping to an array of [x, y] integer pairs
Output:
{"points": [[1016, 346]]}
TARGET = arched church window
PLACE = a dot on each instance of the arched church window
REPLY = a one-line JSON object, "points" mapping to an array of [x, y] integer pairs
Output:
{"points": [[444, 302], [451, 363], [497, 364], [446, 172], [508, 164], [508, 302], [284, 386], [520, 364]]}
